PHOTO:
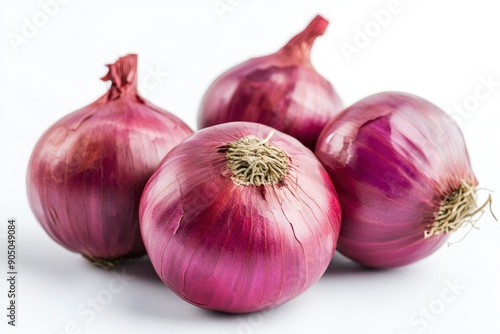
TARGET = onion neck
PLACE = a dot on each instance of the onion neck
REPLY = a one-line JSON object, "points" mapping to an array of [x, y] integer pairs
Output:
{"points": [[299, 47], [254, 161], [459, 208], [123, 77]]}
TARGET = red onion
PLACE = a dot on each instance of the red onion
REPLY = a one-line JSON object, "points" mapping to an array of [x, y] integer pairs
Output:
{"points": [[402, 172], [281, 90], [87, 171], [239, 217]]}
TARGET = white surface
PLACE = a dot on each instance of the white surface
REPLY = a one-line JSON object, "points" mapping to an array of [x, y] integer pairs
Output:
{"points": [[436, 49]]}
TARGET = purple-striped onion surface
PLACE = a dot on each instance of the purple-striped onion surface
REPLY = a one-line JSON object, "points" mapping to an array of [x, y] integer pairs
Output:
{"points": [[400, 167], [239, 217], [87, 172], [281, 90]]}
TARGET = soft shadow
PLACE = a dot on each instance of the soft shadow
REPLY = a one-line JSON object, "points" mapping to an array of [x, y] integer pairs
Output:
{"points": [[142, 269], [343, 266], [224, 316], [148, 296], [241, 321]]}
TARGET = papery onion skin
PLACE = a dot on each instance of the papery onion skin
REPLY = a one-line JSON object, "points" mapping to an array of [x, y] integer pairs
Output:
{"points": [[393, 158], [87, 172], [235, 248], [281, 90]]}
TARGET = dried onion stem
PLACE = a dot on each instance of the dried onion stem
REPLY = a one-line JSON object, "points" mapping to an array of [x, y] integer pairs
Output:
{"points": [[460, 208], [254, 161]]}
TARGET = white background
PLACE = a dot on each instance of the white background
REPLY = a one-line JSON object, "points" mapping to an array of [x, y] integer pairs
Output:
{"points": [[440, 50]]}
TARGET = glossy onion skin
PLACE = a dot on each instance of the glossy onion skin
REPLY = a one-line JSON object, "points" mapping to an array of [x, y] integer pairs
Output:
{"points": [[87, 172], [281, 90], [393, 159], [234, 248]]}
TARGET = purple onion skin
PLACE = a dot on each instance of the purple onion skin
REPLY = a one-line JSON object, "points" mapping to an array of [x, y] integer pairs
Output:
{"points": [[235, 248], [281, 90], [393, 159], [87, 172]]}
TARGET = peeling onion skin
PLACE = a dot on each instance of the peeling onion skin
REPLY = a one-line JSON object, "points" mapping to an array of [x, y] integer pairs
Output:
{"points": [[281, 90], [236, 248], [87, 172], [393, 158]]}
